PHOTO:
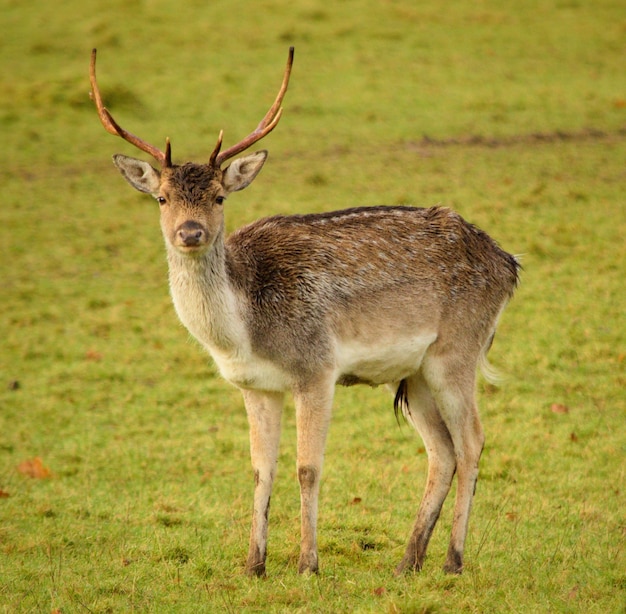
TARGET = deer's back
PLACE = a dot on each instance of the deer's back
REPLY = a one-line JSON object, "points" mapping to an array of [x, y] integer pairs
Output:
{"points": [[349, 254]]}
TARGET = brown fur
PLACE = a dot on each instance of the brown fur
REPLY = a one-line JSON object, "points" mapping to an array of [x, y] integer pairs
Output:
{"points": [[383, 295]]}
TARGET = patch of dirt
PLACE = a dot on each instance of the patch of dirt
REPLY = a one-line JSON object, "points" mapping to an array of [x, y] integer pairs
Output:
{"points": [[534, 138]]}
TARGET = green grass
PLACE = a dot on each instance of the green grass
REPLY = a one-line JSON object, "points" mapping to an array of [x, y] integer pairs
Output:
{"points": [[148, 505]]}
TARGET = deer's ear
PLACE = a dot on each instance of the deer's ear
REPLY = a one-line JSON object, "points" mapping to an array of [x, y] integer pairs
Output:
{"points": [[242, 171], [139, 174]]}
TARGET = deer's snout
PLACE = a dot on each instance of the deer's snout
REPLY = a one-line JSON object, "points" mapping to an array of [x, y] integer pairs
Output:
{"points": [[191, 234]]}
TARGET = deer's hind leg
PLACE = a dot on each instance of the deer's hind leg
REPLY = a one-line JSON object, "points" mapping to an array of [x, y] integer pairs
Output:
{"points": [[424, 415], [452, 383]]}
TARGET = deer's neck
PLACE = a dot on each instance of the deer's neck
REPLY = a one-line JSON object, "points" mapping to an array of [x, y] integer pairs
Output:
{"points": [[205, 300]]}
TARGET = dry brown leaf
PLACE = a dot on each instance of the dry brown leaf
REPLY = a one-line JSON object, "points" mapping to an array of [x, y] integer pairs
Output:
{"points": [[34, 468], [4, 494], [381, 590], [93, 355], [559, 408]]}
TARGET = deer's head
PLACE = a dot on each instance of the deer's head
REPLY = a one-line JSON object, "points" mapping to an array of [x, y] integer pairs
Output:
{"points": [[191, 196]]}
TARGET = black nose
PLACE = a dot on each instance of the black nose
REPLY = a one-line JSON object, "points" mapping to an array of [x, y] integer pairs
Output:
{"points": [[191, 234]]}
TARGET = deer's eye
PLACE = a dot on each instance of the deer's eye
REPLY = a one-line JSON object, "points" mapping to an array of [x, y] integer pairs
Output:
{"points": [[220, 200], [161, 200]]}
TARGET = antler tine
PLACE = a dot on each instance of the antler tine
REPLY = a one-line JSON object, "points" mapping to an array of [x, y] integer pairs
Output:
{"points": [[267, 124], [216, 151], [110, 125]]}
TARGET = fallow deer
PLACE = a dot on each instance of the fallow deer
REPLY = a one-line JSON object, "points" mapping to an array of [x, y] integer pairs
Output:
{"points": [[402, 296]]}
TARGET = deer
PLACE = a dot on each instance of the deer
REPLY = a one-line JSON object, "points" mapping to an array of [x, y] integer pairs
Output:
{"points": [[399, 296]]}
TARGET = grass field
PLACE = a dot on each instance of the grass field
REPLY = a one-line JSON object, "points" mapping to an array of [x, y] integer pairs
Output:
{"points": [[125, 481]]}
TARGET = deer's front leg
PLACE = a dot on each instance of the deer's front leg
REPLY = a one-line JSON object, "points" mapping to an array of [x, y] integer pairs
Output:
{"points": [[313, 411], [264, 411]]}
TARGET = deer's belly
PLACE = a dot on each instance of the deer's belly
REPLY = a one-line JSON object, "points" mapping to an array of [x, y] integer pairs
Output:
{"points": [[382, 362]]}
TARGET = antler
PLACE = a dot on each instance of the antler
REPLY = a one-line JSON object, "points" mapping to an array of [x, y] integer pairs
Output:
{"points": [[110, 125], [268, 123]]}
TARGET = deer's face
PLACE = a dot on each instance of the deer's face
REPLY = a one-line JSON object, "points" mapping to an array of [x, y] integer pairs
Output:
{"points": [[191, 196], [191, 199]]}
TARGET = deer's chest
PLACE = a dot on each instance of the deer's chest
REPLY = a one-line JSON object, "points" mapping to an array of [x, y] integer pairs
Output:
{"points": [[215, 320], [245, 370]]}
